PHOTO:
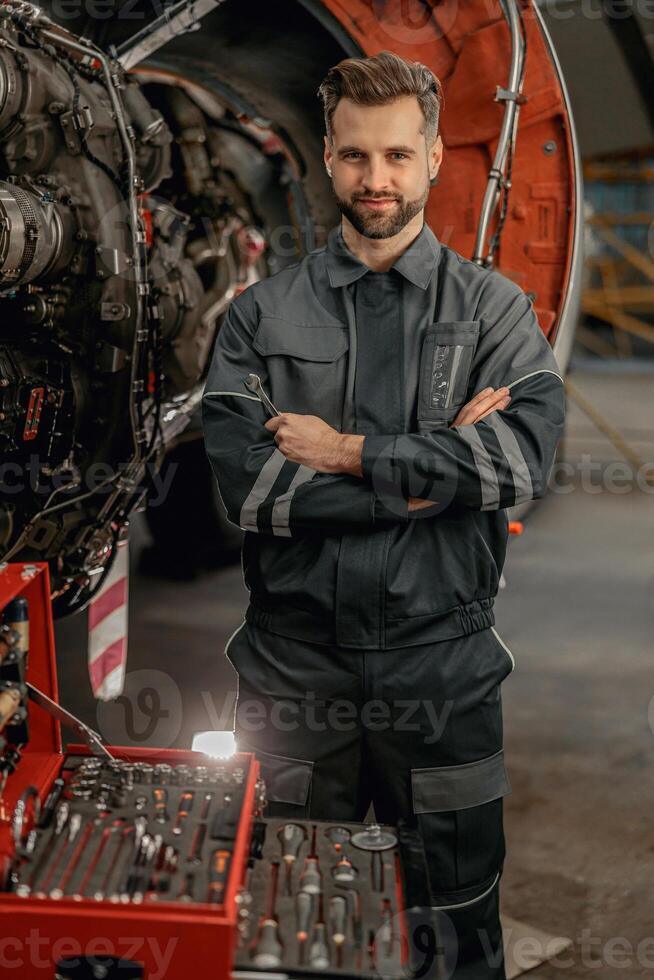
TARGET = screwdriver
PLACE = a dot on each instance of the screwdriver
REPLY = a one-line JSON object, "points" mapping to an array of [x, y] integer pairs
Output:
{"points": [[354, 900], [311, 877], [291, 837], [385, 933], [218, 870], [344, 871], [74, 824], [61, 818], [319, 950], [338, 922], [160, 804], [73, 861], [102, 843], [377, 871], [268, 947], [304, 909], [185, 807]]}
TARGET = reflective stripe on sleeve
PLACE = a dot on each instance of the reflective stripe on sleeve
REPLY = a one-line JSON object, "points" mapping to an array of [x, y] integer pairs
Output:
{"points": [[524, 489], [262, 487], [490, 489], [282, 506]]}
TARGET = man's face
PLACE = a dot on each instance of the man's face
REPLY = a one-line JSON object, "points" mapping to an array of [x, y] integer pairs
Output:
{"points": [[380, 164]]}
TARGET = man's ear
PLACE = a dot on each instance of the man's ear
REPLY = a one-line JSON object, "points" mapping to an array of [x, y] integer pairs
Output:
{"points": [[327, 156], [435, 157]]}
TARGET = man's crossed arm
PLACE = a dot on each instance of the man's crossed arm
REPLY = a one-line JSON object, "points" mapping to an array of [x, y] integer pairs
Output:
{"points": [[309, 441], [296, 473]]}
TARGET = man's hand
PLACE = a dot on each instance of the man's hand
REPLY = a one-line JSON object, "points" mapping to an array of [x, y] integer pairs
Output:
{"points": [[475, 410], [484, 402], [308, 440]]}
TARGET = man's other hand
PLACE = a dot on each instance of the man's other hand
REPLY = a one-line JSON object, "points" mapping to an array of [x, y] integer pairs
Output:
{"points": [[484, 402]]}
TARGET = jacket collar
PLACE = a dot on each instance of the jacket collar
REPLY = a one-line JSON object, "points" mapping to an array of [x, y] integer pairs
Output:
{"points": [[416, 263]]}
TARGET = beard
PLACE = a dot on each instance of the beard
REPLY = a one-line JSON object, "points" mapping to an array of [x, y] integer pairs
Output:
{"points": [[382, 224]]}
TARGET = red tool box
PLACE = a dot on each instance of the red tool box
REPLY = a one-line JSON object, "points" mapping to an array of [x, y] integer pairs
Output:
{"points": [[170, 940]]}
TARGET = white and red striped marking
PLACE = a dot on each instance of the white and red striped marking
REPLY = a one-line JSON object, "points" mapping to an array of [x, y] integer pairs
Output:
{"points": [[107, 626]]}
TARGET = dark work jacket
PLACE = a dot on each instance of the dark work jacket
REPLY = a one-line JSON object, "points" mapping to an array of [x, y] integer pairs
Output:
{"points": [[332, 558]]}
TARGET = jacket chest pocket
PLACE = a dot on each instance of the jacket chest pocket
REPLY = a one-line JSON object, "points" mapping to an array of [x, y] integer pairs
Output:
{"points": [[306, 366], [445, 363]]}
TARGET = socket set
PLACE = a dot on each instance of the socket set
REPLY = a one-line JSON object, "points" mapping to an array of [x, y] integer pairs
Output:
{"points": [[322, 897], [132, 832]]}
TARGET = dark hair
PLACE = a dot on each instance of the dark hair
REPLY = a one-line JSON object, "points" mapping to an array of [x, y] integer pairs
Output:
{"points": [[381, 79]]}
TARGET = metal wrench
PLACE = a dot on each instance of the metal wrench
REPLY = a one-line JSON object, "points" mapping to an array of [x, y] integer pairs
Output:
{"points": [[253, 383]]}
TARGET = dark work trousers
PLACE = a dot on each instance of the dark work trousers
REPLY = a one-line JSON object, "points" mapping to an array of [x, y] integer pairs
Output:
{"points": [[415, 731]]}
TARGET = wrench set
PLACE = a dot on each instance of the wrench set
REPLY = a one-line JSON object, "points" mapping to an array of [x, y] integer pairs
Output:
{"points": [[322, 897], [131, 832]]}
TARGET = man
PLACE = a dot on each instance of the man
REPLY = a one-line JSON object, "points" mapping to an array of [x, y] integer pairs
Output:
{"points": [[418, 399]]}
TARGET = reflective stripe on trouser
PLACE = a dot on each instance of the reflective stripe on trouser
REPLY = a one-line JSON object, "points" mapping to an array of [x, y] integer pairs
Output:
{"points": [[417, 732]]}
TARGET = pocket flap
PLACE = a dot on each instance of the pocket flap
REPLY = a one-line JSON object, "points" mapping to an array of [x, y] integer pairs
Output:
{"points": [[316, 343], [459, 787], [464, 332], [287, 780]]}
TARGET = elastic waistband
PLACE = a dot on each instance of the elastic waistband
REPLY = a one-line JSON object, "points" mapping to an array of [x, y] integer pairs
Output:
{"points": [[298, 624]]}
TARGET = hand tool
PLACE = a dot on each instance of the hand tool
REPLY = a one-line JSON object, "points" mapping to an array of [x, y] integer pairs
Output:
{"points": [[61, 818], [144, 773], [186, 892], [354, 906], [194, 855], [160, 797], [338, 836], [218, 871], [206, 806], [377, 871], [311, 877], [51, 802], [140, 882], [182, 775], [253, 383], [94, 862], [74, 824], [338, 923], [268, 948], [319, 950], [385, 933], [225, 822], [344, 871], [91, 738], [163, 774], [373, 838], [74, 858], [243, 901], [304, 910], [185, 807], [291, 837], [371, 948], [122, 834]]}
